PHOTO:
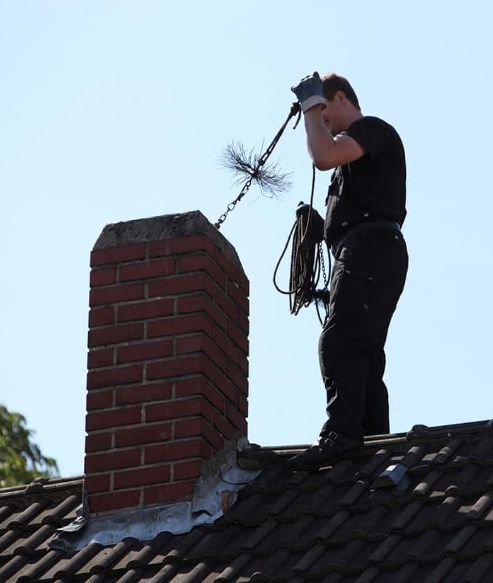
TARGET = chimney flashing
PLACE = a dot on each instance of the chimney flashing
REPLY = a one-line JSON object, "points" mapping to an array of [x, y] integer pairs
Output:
{"points": [[221, 476]]}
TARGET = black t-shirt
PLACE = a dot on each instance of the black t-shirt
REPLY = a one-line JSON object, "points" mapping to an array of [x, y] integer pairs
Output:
{"points": [[371, 188]]}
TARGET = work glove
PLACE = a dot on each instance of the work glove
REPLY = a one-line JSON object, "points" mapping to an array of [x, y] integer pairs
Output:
{"points": [[309, 92], [316, 224]]}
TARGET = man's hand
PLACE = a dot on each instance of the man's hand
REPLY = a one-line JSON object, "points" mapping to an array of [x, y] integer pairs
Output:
{"points": [[309, 92]]}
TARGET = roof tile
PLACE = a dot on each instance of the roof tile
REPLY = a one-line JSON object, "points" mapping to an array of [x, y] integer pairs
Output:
{"points": [[326, 526], [481, 567]]}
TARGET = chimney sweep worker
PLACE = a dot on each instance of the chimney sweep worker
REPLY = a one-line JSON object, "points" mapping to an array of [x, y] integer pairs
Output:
{"points": [[365, 211]]}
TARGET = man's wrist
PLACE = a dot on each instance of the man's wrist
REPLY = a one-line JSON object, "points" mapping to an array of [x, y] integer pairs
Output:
{"points": [[315, 109], [314, 101]]}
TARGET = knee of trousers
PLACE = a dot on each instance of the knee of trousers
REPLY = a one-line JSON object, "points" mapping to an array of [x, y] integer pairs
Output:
{"points": [[335, 338]]}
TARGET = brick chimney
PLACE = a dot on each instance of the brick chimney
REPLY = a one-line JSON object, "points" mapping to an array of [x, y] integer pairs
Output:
{"points": [[167, 380]]}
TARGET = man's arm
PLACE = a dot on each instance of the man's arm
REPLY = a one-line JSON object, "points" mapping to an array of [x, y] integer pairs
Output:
{"points": [[327, 151]]}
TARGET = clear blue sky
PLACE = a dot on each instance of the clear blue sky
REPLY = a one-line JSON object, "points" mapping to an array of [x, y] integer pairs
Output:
{"points": [[116, 110]]}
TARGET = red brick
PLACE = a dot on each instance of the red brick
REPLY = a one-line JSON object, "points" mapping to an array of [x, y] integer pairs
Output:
{"points": [[226, 303], [224, 426], [98, 483], [198, 428], [243, 405], [238, 378], [227, 264], [143, 393], [143, 434], [238, 336], [237, 418], [226, 345], [141, 477], [200, 343], [201, 302], [115, 334], [231, 268], [117, 254], [101, 316], [168, 410], [181, 284], [113, 501], [99, 400], [117, 293], [213, 436], [224, 384], [113, 418], [192, 343], [177, 367], [147, 270], [200, 386], [203, 262], [112, 460], [244, 323], [180, 325], [146, 310], [176, 450], [97, 379], [99, 441], [180, 245], [99, 358], [169, 492], [187, 470], [242, 361], [238, 296], [104, 276], [244, 283], [187, 428], [216, 355], [144, 351]]}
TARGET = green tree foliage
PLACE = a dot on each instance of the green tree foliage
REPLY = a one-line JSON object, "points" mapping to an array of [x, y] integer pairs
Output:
{"points": [[21, 460]]}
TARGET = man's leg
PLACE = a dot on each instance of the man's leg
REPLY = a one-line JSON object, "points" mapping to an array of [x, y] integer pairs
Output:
{"points": [[376, 409], [343, 354], [344, 367], [367, 280]]}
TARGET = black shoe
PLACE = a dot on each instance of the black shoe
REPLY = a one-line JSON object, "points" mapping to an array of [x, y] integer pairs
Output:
{"points": [[330, 449]]}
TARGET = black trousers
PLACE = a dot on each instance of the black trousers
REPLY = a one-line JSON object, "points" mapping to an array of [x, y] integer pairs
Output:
{"points": [[367, 280]]}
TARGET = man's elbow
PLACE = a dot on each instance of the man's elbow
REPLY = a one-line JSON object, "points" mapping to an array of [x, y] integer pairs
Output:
{"points": [[323, 163]]}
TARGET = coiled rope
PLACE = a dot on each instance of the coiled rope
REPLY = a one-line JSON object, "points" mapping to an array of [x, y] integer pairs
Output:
{"points": [[307, 262]]}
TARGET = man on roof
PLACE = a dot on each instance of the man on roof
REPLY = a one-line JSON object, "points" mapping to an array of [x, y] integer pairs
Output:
{"points": [[365, 211]]}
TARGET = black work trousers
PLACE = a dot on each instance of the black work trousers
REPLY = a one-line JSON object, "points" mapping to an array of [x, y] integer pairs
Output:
{"points": [[367, 280]]}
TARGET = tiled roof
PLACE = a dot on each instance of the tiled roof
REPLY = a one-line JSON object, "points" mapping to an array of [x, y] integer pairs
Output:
{"points": [[340, 524]]}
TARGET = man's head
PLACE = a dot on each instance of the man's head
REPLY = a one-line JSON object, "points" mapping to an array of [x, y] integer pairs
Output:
{"points": [[343, 105]]}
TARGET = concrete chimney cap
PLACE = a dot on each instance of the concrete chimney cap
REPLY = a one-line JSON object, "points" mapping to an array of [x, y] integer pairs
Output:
{"points": [[160, 228]]}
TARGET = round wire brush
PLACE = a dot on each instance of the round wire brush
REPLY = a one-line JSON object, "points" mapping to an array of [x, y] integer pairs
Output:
{"points": [[249, 167], [249, 164]]}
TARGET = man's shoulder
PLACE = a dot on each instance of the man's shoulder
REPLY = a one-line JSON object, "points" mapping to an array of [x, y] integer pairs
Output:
{"points": [[373, 122], [376, 130]]}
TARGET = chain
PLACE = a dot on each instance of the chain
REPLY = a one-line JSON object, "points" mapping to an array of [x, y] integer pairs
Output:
{"points": [[322, 264], [295, 110], [233, 203]]}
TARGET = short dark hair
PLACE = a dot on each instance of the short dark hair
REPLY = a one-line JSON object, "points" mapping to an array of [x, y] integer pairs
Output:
{"points": [[333, 83]]}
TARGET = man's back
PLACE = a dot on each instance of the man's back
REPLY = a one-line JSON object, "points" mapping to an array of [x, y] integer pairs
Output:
{"points": [[372, 187]]}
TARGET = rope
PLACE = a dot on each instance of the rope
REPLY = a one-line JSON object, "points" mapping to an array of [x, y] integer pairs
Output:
{"points": [[307, 263]]}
